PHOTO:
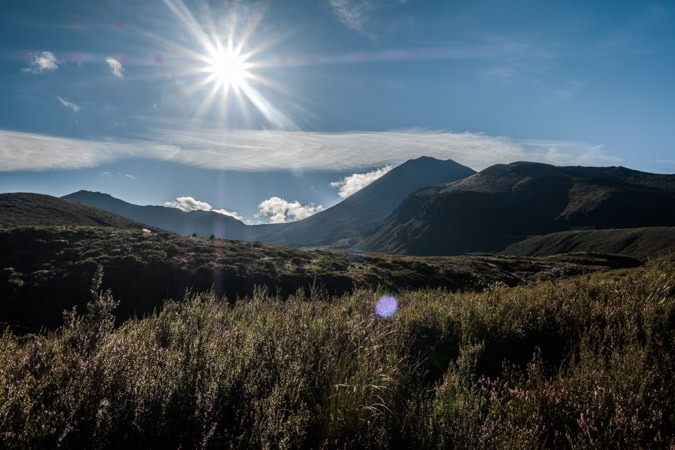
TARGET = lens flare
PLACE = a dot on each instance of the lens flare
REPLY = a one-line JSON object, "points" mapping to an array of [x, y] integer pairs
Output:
{"points": [[386, 307]]}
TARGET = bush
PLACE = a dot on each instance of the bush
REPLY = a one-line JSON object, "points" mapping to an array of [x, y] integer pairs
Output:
{"points": [[592, 368]]}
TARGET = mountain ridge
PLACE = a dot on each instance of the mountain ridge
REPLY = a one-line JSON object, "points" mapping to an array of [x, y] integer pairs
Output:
{"points": [[507, 203], [363, 210], [203, 223], [350, 219], [25, 208]]}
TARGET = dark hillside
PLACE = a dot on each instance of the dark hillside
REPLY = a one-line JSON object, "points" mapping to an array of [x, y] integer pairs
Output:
{"points": [[640, 243], [22, 208], [202, 223], [44, 270], [362, 211], [348, 220], [505, 204]]}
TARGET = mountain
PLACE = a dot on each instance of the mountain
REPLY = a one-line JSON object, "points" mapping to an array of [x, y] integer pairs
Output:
{"points": [[357, 214], [203, 223], [504, 204], [23, 208], [640, 243], [348, 221]]}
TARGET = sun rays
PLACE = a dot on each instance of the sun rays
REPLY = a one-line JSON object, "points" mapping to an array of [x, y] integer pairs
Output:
{"points": [[223, 65]]}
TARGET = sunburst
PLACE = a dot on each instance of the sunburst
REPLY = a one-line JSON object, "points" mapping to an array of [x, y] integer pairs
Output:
{"points": [[227, 68], [218, 61]]}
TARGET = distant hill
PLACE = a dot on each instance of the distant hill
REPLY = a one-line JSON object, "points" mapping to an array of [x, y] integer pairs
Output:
{"points": [[348, 220], [22, 208], [640, 243], [360, 212], [202, 223], [505, 204]]}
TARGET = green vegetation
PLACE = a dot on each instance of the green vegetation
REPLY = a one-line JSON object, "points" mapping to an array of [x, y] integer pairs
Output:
{"points": [[23, 209], [585, 362], [640, 243], [44, 270]]}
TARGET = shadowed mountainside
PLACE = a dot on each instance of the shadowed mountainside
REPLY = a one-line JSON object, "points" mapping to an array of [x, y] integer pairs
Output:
{"points": [[640, 243], [359, 213], [505, 204], [348, 220], [202, 223], [17, 209]]}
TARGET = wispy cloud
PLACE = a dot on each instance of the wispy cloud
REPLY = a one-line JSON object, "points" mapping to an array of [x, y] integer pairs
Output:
{"points": [[354, 183], [353, 13], [360, 15], [26, 151], [278, 210], [253, 150], [188, 204], [68, 104], [115, 67], [42, 62], [570, 90]]}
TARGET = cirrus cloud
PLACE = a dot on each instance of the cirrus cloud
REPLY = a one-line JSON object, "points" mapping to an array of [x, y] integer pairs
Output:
{"points": [[254, 150], [67, 104]]}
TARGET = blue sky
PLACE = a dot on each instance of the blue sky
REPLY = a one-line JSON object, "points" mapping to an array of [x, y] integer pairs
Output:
{"points": [[236, 103]]}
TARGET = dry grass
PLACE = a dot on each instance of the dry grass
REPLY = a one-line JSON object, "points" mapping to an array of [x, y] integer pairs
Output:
{"points": [[579, 363]]}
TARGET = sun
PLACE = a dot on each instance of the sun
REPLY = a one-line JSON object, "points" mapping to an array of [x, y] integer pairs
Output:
{"points": [[221, 57], [227, 68]]}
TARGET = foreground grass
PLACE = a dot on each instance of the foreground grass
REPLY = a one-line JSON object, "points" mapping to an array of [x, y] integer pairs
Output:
{"points": [[579, 363]]}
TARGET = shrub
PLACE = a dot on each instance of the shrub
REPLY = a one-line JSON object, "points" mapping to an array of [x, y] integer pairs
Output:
{"points": [[317, 371]]}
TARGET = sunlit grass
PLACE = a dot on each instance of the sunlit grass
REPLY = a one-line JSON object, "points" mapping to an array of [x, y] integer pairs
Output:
{"points": [[581, 363]]}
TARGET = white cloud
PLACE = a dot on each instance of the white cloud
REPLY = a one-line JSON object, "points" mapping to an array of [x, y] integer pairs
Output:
{"points": [[253, 150], [278, 210], [225, 212], [42, 62], [115, 67], [188, 204], [354, 183], [27, 151], [68, 104]]}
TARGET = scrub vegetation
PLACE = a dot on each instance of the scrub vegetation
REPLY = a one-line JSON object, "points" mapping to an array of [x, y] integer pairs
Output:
{"points": [[44, 270], [583, 362]]}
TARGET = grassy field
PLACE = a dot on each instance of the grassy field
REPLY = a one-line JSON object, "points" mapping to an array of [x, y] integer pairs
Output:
{"points": [[584, 362], [44, 270]]}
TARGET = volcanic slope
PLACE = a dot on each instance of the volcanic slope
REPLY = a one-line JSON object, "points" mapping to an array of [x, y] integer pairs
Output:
{"points": [[359, 213], [347, 221], [504, 204], [23, 208]]}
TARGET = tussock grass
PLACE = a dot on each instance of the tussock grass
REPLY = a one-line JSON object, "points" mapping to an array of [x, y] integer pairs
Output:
{"points": [[580, 363]]}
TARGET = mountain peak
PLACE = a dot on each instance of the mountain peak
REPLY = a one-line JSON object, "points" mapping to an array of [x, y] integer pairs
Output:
{"points": [[365, 209], [506, 203]]}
